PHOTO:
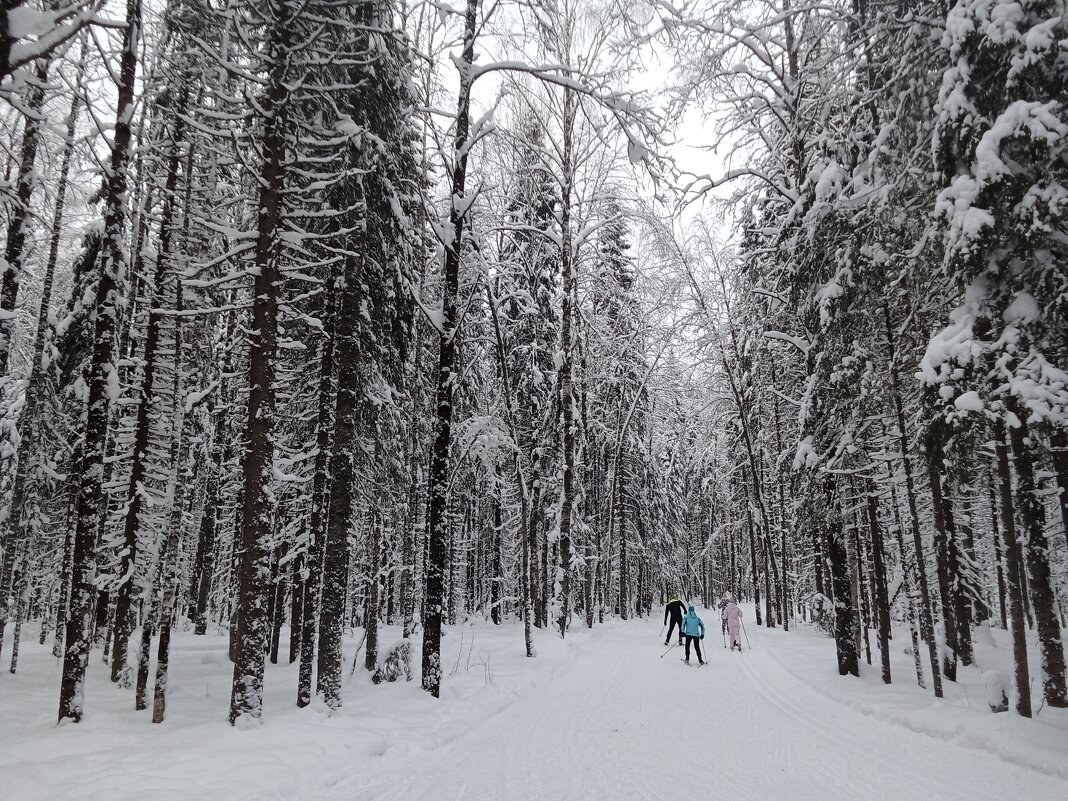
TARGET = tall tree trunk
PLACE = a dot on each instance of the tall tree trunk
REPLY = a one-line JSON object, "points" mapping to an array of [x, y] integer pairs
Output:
{"points": [[959, 560], [46, 295], [370, 623], [860, 590], [79, 625], [525, 586], [149, 618], [926, 614], [998, 560], [1033, 517], [26, 427], [882, 595], [15, 247], [171, 569], [944, 560], [146, 398], [567, 398], [752, 552], [907, 584], [845, 617], [624, 575], [312, 562], [12, 539], [496, 568], [1058, 451], [437, 533], [1014, 561], [66, 569], [342, 479], [254, 557]]}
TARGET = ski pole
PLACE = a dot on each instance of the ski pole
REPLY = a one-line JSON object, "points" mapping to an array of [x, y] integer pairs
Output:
{"points": [[668, 650], [747, 645], [723, 632]]}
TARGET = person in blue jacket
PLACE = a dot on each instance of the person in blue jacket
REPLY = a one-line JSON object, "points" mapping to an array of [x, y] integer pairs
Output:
{"points": [[694, 630]]}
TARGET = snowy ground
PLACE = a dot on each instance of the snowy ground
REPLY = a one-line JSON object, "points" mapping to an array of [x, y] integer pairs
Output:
{"points": [[600, 716]]}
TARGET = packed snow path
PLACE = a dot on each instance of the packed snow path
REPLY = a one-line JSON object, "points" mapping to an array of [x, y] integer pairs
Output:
{"points": [[617, 721], [599, 716]]}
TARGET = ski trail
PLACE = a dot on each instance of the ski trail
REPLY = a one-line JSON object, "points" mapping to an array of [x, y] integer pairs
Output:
{"points": [[618, 722]]}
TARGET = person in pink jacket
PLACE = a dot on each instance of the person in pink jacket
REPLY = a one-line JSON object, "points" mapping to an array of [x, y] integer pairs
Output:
{"points": [[733, 617]]}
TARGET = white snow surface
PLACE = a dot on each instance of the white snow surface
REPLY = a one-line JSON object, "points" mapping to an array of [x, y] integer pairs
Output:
{"points": [[599, 716]]}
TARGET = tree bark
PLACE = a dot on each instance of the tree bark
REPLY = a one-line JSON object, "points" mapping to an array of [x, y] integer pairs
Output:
{"points": [[926, 619], [1058, 451], [1044, 602], [342, 478], [882, 596], [1014, 561], [944, 559], [79, 625], [437, 533], [370, 622], [254, 558], [567, 398], [15, 247], [146, 397], [998, 560], [845, 619]]}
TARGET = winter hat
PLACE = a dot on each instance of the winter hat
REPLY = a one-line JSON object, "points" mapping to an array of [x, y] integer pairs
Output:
{"points": [[691, 607]]}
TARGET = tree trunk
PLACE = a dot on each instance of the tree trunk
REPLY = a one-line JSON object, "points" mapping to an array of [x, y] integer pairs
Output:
{"points": [[79, 625], [14, 525], [946, 564], [1033, 517], [907, 584], [567, 399], [859, 592], [958, 560], [146, 397], [926, 619], [496, 569], [370, 622], [278, 605], [525, 587], [845, 618], [998, 560], [1014, 561], [342, 479], [15, 247], [752, 554], [882, 596], [65, 572], [311, 563], [1058, 451], [254, 558], [437, 533]]}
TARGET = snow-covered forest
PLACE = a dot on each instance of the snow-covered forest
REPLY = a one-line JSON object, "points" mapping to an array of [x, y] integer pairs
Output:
{"points": [[329, 328]]}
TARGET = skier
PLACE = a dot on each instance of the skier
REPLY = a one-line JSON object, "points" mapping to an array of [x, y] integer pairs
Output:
{"points": [[732, 616], [674, 610], [694, 630], [726, 599]]}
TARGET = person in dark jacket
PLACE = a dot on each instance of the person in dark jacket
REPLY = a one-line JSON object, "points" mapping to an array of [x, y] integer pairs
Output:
{"points": [[674, 609], [694, 629]]}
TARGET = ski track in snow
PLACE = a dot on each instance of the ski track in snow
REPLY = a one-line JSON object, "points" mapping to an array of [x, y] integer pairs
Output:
{"points": [[622, 723], [602, 716]]}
